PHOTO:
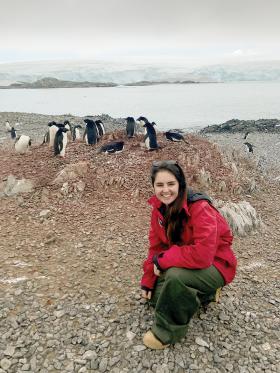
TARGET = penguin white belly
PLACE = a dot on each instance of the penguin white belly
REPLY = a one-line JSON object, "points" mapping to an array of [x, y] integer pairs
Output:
{"points": [[53, 130], [64, 143], [8, 127], [22, 144], [78, 134], [147, 142]]}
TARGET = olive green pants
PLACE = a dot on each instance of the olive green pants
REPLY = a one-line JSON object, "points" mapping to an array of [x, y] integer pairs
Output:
{"points": [[177, 297]]}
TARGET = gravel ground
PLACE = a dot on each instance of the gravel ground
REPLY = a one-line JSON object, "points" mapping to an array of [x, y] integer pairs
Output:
{"points": [[71, 266], [266, 147]]}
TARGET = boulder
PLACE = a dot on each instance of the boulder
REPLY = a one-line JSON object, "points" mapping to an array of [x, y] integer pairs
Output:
{"points": [[242, 217], [72, 172], [13, 186]]}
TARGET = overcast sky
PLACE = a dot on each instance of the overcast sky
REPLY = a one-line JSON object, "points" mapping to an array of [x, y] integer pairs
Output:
{"points": [[208, 31]]}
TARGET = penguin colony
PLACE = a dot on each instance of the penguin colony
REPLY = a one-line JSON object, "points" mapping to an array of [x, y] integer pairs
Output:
{"points": [[59, 134]]}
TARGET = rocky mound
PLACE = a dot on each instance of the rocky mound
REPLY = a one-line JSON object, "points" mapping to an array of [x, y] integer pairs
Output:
{"points": [[236, 125]]}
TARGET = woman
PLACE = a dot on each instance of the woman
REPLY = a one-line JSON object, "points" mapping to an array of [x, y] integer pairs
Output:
{"points": [[189, 258]]}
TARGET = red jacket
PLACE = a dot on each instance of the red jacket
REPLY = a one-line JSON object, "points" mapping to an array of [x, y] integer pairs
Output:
{"points": [[206, 240]]}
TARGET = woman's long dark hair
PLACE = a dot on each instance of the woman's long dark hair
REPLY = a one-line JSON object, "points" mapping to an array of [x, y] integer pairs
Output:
{"points": [[174, 213]]}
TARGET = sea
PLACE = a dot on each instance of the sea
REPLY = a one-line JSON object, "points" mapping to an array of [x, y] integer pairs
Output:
{"points": [[171, 106]]}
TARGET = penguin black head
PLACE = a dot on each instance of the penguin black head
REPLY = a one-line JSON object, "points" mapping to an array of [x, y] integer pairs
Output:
{"points": [[143, 119], [89, 122], [66, 122], [53, 123]]}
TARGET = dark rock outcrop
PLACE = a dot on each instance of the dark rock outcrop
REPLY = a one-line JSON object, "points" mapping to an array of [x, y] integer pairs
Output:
{"points": [[236, 125], [56, 83]]}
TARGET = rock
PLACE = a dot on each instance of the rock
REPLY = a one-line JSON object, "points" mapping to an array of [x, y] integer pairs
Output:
{"points": [[10, 350], [103, 365], [201, 342], [5, 364], [222, 186], [90, 355], [44, 214], [139, 348], [14, 186], [242, 217], [79, 187], [203, 178], [266, 346], [130, 335], [72, 172]]}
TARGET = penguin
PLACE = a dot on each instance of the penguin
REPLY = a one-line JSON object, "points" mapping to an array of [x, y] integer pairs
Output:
{"points": [[52, 131], [8, 126], [100, 128], [60, 141], [130, 127], [69, 127], [150, 138], [76, 134], [46, 138], [174, 136], [22, 144], [91, 133], [246, 134], [13, 133], [112, 147], [249, 147]]}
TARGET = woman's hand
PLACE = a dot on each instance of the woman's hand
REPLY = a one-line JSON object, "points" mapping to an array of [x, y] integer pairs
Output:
{"points": [[156, 271], [146, 294]]}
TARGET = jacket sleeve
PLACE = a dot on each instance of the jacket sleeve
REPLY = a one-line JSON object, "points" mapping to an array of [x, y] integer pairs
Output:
{"points": [[200, 254], [156, 246]]}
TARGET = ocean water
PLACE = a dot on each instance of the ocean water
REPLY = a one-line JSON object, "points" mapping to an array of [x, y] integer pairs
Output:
{"points": [[186, 106]]}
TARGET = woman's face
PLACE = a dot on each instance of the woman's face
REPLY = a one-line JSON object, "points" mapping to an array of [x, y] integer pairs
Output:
{"points": [[166, 187]]}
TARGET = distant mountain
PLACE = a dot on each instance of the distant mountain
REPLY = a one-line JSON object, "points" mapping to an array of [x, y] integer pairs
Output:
{"points": [[56, 83], [120, 73]]}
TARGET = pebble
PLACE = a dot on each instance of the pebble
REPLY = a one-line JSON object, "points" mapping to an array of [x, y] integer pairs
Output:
{"points": [[201, 342], [5, 363], [10, 350]]}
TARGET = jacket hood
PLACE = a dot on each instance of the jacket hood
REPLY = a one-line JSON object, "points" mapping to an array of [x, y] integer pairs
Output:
{"points": [[196, 196]]}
